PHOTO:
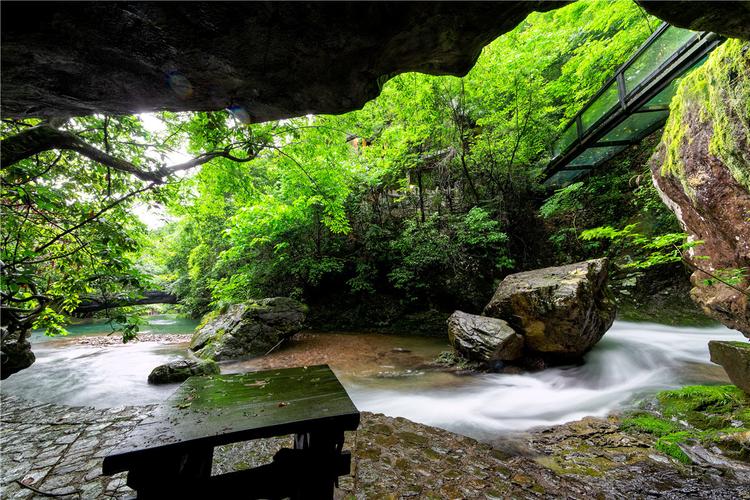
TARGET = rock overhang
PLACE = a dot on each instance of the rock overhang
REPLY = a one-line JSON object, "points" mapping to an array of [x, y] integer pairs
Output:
{"points": [[265, 60]]}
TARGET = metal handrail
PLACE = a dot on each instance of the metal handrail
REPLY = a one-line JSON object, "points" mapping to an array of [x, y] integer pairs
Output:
{"points": [[657, 80]]}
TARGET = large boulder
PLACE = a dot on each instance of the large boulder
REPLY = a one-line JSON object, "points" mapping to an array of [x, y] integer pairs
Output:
{"points": [[180, 370], [702, 172], [250, 328], [734, 357], [560, 311], [15, 351], [483, 339]]}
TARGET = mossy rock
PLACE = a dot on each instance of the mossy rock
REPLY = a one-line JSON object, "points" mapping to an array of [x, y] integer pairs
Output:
{"points": [[712, 416], [722, 88], [181, 370], [248, 329]]}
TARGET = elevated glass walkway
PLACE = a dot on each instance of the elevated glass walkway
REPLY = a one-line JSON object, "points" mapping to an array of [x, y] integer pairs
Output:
{"points": [[630, 105]]}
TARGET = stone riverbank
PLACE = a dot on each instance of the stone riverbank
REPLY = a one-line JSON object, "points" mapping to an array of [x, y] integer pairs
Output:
{"points": [[50, 449]]}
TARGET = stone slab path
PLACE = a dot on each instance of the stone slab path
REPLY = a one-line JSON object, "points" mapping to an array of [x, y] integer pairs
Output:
{"points": [[58, 449]]}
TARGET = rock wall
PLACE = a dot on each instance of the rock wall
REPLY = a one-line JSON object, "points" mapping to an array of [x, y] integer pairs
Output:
{"points": [[267, 60], [727, 18], [702, 171]]}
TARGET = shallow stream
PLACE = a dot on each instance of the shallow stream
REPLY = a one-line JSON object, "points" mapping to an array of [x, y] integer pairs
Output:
{"points": [[387, 374]]}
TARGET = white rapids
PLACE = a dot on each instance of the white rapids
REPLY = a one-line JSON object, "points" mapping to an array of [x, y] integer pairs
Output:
{"points": [[633, 359]]}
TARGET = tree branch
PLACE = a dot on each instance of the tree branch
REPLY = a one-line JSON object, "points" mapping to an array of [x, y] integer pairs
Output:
{"points": [[95, 216], [44, 137]]}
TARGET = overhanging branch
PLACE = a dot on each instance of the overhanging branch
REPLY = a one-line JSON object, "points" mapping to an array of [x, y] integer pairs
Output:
{"points": [[35, 140]]}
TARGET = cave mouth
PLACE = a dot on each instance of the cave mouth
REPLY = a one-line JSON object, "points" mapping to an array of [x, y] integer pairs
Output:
{"points": [[271, 60]]}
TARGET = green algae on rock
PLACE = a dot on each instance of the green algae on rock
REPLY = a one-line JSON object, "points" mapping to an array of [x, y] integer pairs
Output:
{"points": [[702, 172], [687, 422]]}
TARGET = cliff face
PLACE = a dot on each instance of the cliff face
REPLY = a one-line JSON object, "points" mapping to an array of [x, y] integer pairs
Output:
{"points": [[731, 19], [702, 170], [269, 60]]}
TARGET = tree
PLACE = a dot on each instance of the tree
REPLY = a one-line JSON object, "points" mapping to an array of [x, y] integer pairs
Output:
{"points": [[68, 231]]}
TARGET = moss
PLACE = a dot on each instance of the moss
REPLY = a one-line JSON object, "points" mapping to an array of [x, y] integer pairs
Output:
{"points": [[704, 407], [649, 424], [207, 352], [208, 318], [711, 415], [720, 92], [669, 445]]}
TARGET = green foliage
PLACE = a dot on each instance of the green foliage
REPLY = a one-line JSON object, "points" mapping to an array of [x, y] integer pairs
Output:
{"points": [[434, 255], [706, 414], [618, 194], [643, 251], [728, 276], [564, 200], [51, 322], [427, 193], [68, 232], [717, 93], [669, 445]]}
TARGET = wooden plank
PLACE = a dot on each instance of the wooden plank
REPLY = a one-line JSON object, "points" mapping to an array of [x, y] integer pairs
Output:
{"points": [[222, 409]]}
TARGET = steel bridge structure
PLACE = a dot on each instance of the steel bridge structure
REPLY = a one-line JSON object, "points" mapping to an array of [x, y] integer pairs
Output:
{"points": [[631, 105]]}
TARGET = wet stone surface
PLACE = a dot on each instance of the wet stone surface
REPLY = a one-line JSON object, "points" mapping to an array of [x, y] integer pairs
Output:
{"points": [[59, 450]]}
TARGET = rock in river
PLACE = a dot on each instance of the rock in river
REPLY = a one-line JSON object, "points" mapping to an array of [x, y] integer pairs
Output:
{"points": [[560, 311], [734, 357], [483, 339], [180, 370], [250, 328]]}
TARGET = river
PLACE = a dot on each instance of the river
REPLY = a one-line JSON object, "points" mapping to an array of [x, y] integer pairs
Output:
{"points": [[387, 374]]}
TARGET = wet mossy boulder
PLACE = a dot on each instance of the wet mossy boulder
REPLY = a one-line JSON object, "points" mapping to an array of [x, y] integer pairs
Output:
{"points": [[734, 357], [483, 339], [560, 311], [248, 329], [701, 170], [180, 370]]}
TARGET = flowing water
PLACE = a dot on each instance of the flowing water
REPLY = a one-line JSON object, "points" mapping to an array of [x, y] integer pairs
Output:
{"points": [[631, 361], [388, 374], [101, 376]]}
